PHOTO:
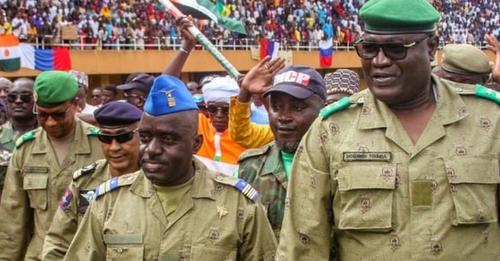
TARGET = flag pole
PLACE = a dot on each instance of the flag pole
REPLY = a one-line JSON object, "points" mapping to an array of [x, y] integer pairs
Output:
{"points": [[233, 72]]}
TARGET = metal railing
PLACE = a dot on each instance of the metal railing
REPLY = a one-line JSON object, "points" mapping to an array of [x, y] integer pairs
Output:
{"points": [[167, 43]]}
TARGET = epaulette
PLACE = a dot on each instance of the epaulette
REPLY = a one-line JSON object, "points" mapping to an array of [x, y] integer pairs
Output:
{"points": [[478, 90], [114, 183], [28, 136], [342, 104], [89, 169], [240, 185], [254, 152], [93, 131]]}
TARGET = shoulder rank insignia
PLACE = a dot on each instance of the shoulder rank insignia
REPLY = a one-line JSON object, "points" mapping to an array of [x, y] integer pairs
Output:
{"points": [[339, 105], [85, 170], [66, 199], [239, 184], [28, 136], [113, 184], [93, 132], [487, 93], [254, 152]]}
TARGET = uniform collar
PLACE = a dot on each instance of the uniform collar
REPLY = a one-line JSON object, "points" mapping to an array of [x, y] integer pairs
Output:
{"points": [[375, 114], [203, 183]]}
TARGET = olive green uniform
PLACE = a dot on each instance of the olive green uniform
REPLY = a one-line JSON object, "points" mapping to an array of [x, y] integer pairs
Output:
{"points": [[72, 207], [263, 169], [34, 184], [7, 144], [214, 221], [390, 199]]}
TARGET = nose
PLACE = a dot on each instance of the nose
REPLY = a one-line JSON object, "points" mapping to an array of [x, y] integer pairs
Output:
{"points": [[284, 115], [219, 113], [115, 145], [153, 148], [50, 122], [381, 59]]}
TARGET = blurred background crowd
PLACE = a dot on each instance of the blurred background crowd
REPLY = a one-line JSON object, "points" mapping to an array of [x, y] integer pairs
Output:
{"points": [[291, 22]]}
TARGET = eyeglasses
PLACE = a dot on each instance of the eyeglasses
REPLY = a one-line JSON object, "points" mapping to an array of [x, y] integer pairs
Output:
{"points": [[214, 109], [394, 51], [57, 116], [120, 138], [24, 97]]}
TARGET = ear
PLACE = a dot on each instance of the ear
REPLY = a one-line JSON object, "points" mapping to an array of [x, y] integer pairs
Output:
{"points": [[432, 44], [198, 141]]}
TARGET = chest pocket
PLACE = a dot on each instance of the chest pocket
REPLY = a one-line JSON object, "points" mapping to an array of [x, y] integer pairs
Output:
{"points": [[474, 187], [366, 194], [124, 247], [36, 186]]}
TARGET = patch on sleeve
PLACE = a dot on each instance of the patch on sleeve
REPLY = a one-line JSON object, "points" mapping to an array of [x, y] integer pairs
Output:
{"points": [[66, 199]]}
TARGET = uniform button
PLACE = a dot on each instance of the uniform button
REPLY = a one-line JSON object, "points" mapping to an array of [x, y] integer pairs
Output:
{"points": [[304, 239], [395, 242], [365, 204], [436, 247]]}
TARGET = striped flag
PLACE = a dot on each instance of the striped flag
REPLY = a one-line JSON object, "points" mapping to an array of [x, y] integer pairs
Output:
{"points": [[326, 53], [269, 48], [10, 53], [45, 59]]}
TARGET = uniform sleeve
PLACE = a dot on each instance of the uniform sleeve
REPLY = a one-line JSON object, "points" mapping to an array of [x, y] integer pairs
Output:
{"points": [[307, 224], [259, 243], [63, 227], [15, 212], [88, 243], [243, 131]]}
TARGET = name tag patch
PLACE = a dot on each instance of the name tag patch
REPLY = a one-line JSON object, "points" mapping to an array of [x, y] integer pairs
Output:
{"points": [[36, 169], [367, 156]]}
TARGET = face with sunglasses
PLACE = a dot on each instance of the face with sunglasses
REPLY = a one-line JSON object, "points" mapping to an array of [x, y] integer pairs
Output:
{"points": [[218, 112], [135, 97], [20, 100], [57, 121], [397, 66], [120, 147]]}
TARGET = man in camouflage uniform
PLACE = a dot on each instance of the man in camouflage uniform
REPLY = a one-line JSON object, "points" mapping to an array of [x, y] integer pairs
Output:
{"points": [[20, 105], [119, 139], [406, 170], [186, 212], [42, 166], [297, 96]]}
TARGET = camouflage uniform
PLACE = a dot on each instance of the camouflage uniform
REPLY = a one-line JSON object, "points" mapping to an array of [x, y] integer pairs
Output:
{"points": [[214, 221], [7, 144], [263, 169], [34, 184], [72, 207], [391, 199]]}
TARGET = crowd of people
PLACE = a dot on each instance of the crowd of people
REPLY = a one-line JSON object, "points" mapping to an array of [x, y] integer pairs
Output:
{"points": [[143, 23], [159, 169]]}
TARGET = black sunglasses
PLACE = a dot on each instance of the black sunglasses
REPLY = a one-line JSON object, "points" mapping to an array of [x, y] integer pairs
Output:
{"points": [[394, 51], [57, 116], [24, 97], [214, 109], [120, 138]]}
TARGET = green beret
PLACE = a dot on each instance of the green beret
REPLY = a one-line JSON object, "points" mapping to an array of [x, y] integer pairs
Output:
{"points": [[465, 59], [399, 16], [53, 87]]}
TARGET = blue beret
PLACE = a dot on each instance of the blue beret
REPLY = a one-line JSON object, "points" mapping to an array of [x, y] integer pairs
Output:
{"points": [[117, 114], [168, 95]]}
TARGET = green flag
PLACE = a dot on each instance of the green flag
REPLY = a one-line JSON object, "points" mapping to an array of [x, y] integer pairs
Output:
{"points": [[226, 22]]}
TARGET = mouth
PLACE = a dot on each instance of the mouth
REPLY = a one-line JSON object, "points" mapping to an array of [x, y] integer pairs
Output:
{"points": [[381, 79], [117, 158], [152, 166], [284, 131]]}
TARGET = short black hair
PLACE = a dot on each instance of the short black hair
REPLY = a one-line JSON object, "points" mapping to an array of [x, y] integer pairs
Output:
{"points": [[111, 88]]}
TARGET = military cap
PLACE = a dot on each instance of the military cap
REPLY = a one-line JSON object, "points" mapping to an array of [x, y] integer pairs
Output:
{"points": [[168, 95], [54, 87], [117, 114], [141, 81], [220, 89], [298, 81], [464, 59], [399, 16]]}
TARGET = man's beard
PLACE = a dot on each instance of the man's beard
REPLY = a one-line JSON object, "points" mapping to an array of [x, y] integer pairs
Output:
{"points": [[288, 146]]}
